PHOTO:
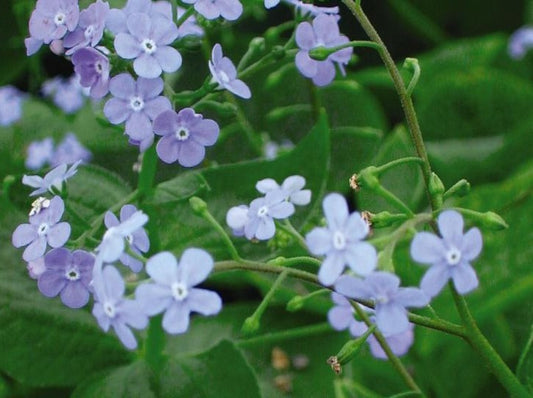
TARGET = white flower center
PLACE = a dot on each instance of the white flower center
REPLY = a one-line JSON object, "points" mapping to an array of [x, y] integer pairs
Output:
{"points": [[262, 212], [179, 291], [72, 274], [109, 309], [453, 256], [60, 18], [43, 229], [339, 240], [223, 77], [136, 103], [381, 299], [148, 46], [89, 31], [182, 134]]}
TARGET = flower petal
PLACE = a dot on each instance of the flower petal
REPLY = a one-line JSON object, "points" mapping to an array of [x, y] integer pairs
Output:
{"points": [[127, 46], [451, 227], [331, 269], [75, 295], [427, 248], [335, 210], [194, 266], [204, 302], [58, 234], [35, 250], [434, 279], [361, 257], [411, 297], [319, 241], [23, 235], [464, 278], [153, 298], [163, 268], [169, 58], [51, 283], [472, 244], [176, 318], [147, 66], [391, 318]]}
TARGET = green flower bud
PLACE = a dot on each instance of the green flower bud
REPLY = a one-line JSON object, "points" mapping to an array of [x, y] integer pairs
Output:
{"points": [[198, 205], [250, 325], [436, 189], [368, 178], [295, 304], [319, 53], [278, 52]]}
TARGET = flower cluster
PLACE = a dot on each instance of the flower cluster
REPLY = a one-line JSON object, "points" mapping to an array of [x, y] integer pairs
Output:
{"points": [[11, 100], [256, 221], [68, 151]]}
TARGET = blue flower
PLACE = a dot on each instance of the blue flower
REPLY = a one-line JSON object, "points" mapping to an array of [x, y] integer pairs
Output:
{"points": [[174, 290], [90, 27], [53, 179], [212, 9], [111, 309], [137, 240], [67, 94], [11, 100], [39, 153], [116, 20], [92, 67], [236, 218], [389, 299], [113, 245], [449, 256], [263, 211], [291, 186], [69, 151], [341, 242], [520, 42], [225, 74], [44, 228]]}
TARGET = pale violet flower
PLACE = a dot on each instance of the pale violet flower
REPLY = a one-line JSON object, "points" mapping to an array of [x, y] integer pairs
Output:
{"points": [[212, 9], [389, 299], [225, 74], [67, 94], [116, 20], [113, 243], [520, 42], [449, 256], [36, 267], [341, 241], [39, 153], [236, 218], [70, 151], [137, 240], [322, 32], [305, 8], [54, 179], [174, 291], [148, 41], [90, 29], [112, 310], [44, 229], [263, 211], [291, 186], [92, 68], [11, 100]]}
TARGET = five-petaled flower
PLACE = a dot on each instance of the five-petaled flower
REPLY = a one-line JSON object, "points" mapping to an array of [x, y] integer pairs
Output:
{"points": [[44, 228], [291, 186], [449, 256], [341, 242], [174, 290], [54, 179], [93, 68], [212, 9], [225, 74]]}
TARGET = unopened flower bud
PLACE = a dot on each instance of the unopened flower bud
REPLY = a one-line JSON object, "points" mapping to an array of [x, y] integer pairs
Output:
{"points": [[319, 53], [278, 52], [198, 205], [250, 325], [368, 178], [386, 219], [295, 304], [436, 188], [460, 188]]}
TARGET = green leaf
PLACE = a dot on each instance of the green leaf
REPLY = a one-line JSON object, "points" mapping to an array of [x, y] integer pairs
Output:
{"points": [[179, 189], [221, 372], [131, 381]]}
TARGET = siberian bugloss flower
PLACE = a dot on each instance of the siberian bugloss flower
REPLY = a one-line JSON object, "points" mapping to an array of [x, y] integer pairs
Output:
{"points": [[69, 151], [112, 246], [67, 274], [44, 229], [117, 19], [137, 240], [11, 100], [322, 32], [174, 290], [54, 179], [341, 241], [137, 103], [449, 256], [520, 42], [36, 267], [399, 343], [225, 74], [390, 300], [39, 153], [90, 27], [291, 186], [92, 68], [263, 211], [212, 9], [111, 309], [67, 94], [148, 41], [185, 136], [236, 218]]}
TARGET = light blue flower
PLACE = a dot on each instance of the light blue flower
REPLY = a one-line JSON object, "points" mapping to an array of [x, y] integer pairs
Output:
{"points": [[341, 241], [39, 153], [449, 256], [225, 74], [174, 290], [263, 211], [520, 42], [291, 186], [53, 179]]}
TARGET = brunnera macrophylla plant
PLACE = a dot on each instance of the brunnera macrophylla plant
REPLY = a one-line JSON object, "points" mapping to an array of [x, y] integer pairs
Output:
{"points": [[124, 60]]}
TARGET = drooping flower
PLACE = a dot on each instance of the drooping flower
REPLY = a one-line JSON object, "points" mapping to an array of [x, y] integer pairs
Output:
{"points": [[174, 290], [70, 151], [520, 42], [185, 136], [263, 211], [323, 32], [111, 309], [148, 41], [112, 246], [11, 100], [90, 28], [449, 256], [291, 186], [341, 241], [341, 317], [67, 94], [236, 218], [67, 274], [54, 179], [389, 299], [137, 240], [44, 229], [93, 68], [212, 9], [39, 153], [50, 21], [225, 74], [137, 103], [117, 19]]}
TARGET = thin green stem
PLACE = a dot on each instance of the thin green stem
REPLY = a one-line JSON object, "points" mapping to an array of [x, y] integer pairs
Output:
{"points": [[394, 360], [405, 99], [393, 200], [181, 20], [147, 173], [289, 228], [479, 343], [321, 53], [77, 216], [413, 64], [397, 162], [287, 334], [253, 138], [289, 262]]}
